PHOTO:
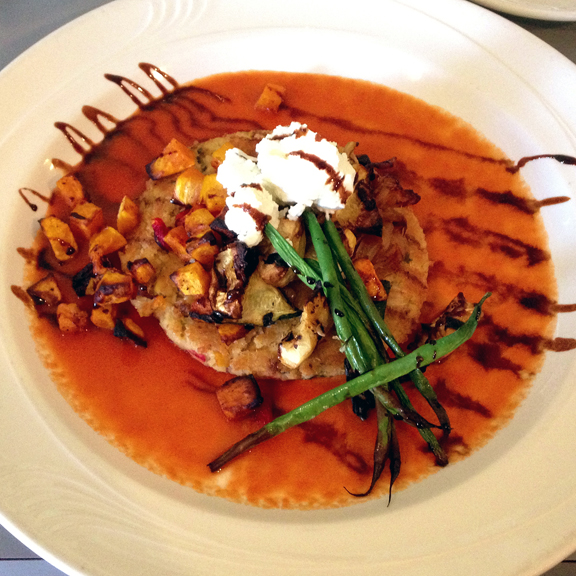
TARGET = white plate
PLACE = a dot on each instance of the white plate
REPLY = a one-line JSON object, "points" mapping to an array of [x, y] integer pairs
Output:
{"points": [[508, 510], [540, 9]]}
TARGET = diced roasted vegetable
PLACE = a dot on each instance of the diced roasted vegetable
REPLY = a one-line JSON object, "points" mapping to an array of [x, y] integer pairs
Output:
{"points": [[142, 271], [239, 397], [127, 328], [373, 284], [71, 318], [228, 303], [213, 194], [176, 240], [81, 280], [104, 317], [189, 186], [60, 237], [128, 216], [192, 280], [70, 189], [219, 226], [263, 304], [231, 332], [271, 98], [176, 157], [234, 265], [204, 249], [105, 242], [45, 291], [160, 230], [197, 222], [219, 154], [315, 321], [86, 220], [113, 288]]}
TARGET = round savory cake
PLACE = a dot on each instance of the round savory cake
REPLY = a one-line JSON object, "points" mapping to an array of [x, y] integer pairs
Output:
{"points": [[384, 228]]}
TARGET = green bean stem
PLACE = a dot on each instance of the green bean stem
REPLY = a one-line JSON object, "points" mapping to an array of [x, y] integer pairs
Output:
{"points": [[422, 356], [367, 304]]}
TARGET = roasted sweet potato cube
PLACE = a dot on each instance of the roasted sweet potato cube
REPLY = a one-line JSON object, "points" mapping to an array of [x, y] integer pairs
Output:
{"points": [[45, 291], [231, 332], [204, 249], [105, 242], [71, 318], [219, 155], [197, 222], [114, 287], [86, 220], [192, 280], [189, 186], [60, 237], [70, 189], [104, 317], [176, 157], [373, 284], [128, 216], [176, 240], [213, 194], [239, 397], [127, 328], [142, 271], [271, 98]]}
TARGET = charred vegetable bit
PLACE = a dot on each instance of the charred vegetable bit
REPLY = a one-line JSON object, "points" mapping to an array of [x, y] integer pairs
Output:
{"points": [[127, 328], [239, 397], [422, 356]]}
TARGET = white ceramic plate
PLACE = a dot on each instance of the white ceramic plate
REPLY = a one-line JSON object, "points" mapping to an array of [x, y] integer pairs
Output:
{"points": [[509, 509], [540, 9]]}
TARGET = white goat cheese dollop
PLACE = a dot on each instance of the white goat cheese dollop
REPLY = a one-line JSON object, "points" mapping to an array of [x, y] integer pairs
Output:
{"points": [[294, 167]]}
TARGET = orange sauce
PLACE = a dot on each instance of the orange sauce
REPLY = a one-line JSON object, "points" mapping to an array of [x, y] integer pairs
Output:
{"points": [[158, 405]]}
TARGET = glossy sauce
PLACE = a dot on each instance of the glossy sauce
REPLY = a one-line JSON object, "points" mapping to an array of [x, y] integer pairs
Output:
{"points": [[484, 233]]}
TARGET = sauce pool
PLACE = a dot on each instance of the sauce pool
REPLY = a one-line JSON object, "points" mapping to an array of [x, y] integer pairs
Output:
{"points": [[484, 233]]}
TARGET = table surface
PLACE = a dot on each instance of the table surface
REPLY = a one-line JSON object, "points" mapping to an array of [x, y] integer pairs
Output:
{"points": [[23, 23]]}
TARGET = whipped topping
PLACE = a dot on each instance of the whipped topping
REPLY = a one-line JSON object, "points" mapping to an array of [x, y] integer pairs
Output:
{"points": [[294, 167], [249, 203]]}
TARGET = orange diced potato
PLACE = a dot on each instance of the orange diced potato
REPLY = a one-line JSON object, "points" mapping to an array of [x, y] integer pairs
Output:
{"points": [[204, 252], [197, 222], [188, 186], [176, 240], [87, 219], [219, 155], [271, 98], [192, 280], [114, 287], [105, 242], [231, 332], [176, 157], [239, 397], [70, 189], [60, 236], [128, 216], [71, 318], [45, 291], [213, 194], [104, 317], [374, 286], [142, 271], [127, 328]]}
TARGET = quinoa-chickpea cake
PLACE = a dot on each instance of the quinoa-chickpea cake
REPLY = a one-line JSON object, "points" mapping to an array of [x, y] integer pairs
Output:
{"points": [[252, 315]]}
